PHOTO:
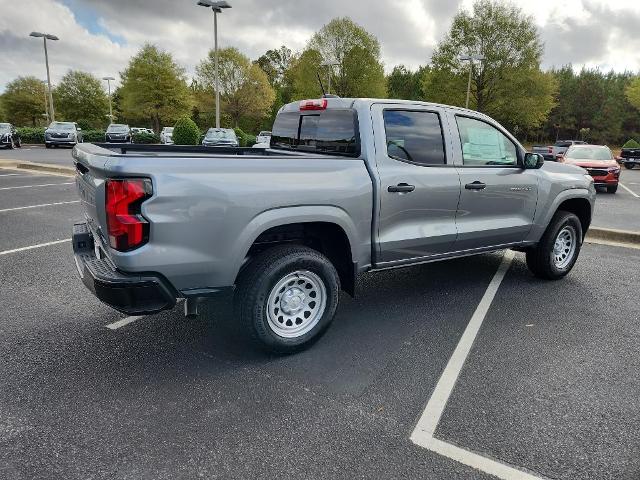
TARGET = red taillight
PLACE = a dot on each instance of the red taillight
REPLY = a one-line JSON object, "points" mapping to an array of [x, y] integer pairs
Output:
{"points": [[320, 104], [550, 149], [126, 226]]}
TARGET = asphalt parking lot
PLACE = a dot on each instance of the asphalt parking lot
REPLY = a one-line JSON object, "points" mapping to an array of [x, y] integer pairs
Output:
{"points": [[550, 387]]}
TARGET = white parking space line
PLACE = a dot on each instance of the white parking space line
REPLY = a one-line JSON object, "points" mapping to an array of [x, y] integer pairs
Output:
{"points": [[124, 322], [423, 434], [629, 190], [31, 247], [37, 206], [35, 186], [12, 175]]}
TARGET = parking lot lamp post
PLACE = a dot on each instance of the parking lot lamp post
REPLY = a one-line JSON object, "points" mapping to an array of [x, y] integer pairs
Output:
{"points": [[46, 102], [470, 59], [109, 79], [45, 37], [217, 7]]}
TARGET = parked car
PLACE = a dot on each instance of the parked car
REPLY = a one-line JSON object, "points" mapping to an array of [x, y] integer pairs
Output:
{"points": [[219, 137], [135, 130], [263, 137], [598, 161], [630, 157], [118, 133], [551, 152], [166, 135], [9, 137], [62, 133], [348, 186]]}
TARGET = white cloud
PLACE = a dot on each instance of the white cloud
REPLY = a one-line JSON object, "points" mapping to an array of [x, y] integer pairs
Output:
{"points": [[591, 32]]}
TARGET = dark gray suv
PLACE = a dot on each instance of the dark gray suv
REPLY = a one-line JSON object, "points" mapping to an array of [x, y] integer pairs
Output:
{"points": [[62, 133]]}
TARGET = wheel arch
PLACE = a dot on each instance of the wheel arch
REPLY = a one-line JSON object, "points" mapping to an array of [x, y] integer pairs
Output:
{"points": [[328, 230]]}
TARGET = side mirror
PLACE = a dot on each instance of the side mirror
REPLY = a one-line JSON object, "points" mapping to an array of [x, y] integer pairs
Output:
{"points": [[533, 161]]}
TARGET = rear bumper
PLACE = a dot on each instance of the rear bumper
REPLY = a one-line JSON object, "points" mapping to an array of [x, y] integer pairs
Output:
{"points": [[133, 294]]}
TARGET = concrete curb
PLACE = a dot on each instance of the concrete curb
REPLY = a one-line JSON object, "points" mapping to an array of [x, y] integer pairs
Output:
{"points": [[40, 167], [613, 236]]}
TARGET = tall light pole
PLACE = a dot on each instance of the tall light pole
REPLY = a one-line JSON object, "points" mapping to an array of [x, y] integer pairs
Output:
{"points": [[45, 37], [470, 59], [217, 7], [330, 64], [46, 102], [109, 79]]}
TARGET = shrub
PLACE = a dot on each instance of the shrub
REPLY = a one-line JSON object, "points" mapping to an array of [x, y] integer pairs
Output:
{"points": [[93, 136], [186, 132], [631, 144], [143, 137], [245, 139], [31, 134]]}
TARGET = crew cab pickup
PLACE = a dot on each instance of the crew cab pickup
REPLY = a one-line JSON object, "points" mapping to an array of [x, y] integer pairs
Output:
{"points": [[347, 186], [630, 157], [552, 152]]}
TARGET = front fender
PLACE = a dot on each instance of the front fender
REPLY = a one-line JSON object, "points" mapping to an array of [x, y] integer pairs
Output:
{"points": [[547, 210]]}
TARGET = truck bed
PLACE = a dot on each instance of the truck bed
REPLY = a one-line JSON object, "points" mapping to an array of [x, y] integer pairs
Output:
{"points": [[210, 204]]}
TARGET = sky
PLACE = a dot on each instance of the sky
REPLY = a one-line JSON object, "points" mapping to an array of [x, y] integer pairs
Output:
{"points": [[99, 36]]}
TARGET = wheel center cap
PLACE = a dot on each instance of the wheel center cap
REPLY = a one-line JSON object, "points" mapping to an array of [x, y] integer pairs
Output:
{"points": [[292, 301]]}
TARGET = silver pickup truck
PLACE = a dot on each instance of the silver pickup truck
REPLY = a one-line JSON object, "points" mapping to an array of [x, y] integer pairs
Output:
{"points": [[347, 186]]}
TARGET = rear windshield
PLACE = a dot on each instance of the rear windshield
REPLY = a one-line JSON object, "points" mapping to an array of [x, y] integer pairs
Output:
{"points": [[332, 131]]}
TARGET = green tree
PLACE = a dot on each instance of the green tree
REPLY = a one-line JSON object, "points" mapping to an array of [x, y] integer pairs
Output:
{"points": [[275, 63], [358, 71], [632, 93], [154, 88], [3, 115], [245, 93], [81, 98], [405, 84], [23, 101], [508, 84]]}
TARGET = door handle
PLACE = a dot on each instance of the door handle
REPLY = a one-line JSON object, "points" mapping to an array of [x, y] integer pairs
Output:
{"points": [[477, 185], [401, 188]]}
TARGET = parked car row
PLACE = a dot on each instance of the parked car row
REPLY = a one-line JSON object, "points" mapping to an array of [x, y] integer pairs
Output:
{"points": [[550, 152]]}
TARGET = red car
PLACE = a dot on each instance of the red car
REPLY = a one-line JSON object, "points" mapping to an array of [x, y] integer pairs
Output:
{"points": [[598, 161]]}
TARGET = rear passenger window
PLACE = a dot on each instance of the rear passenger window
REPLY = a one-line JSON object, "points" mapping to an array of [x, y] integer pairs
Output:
{"points": [[333, 131], [484, 145], [414, 137]]}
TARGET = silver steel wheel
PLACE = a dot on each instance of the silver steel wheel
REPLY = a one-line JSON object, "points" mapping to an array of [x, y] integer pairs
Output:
{"points": [[296, 304], [564, 247]]}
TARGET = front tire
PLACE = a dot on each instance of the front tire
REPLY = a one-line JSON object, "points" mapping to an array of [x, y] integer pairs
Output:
{"points": [[287, 297], [558, 249]]}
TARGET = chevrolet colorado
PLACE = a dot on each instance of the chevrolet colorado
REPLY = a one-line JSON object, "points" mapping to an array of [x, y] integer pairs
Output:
{"points": [[347, 186]]}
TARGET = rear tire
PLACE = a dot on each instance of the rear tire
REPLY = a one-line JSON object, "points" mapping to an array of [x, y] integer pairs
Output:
{"points": [[47, 145], [287, 297], [612, 189], [629, 166], [558, 249]]}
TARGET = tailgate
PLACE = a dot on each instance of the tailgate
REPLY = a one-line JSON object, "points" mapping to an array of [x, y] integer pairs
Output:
{"points": [[89, 162]]}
